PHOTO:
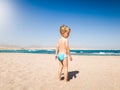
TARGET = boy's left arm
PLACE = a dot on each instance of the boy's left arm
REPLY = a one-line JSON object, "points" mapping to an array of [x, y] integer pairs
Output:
{"points": [[68, 49]]}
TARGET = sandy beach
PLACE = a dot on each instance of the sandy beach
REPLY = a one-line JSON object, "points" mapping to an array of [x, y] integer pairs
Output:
{"points": [[20, 71]]}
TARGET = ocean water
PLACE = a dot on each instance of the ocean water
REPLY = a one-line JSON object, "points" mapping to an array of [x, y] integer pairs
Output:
{"points": [[73, 52]]}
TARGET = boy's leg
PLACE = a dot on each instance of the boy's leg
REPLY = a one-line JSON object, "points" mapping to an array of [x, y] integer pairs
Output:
{"points": [[60, 70], [65, 64]]}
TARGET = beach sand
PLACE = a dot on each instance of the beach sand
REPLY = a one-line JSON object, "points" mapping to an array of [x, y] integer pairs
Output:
{"points": [[20, 71]]}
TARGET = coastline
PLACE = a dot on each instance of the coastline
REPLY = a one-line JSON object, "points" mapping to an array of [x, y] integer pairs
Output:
{"points": [[7, 47], [51, 50]]}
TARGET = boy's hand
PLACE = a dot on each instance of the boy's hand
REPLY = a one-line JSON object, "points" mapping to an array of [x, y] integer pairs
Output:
{"points": [[55, 57], [70, 58]]}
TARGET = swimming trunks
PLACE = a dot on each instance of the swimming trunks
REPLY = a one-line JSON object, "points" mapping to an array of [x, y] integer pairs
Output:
{"points": [[62, 56]]}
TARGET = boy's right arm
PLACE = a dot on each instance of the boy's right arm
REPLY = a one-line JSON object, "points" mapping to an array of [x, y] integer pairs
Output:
{"points": [[57, 49]]}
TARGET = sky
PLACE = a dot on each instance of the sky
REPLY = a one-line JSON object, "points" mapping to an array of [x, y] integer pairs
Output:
{"points": [[93, 23]]}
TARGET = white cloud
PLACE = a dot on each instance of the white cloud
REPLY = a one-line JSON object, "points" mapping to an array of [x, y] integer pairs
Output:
{"points": [[6, 15]]}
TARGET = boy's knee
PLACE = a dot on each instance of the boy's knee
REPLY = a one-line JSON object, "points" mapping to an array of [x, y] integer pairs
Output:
{"points": [[61, 66], [65, 66]]}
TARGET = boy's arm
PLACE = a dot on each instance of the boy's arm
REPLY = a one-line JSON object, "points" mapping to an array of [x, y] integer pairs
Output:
{"points": [[57, 50], [68, 49]]}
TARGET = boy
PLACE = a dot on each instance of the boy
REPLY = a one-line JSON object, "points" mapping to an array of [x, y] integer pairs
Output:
{"points": [[63, 51]]}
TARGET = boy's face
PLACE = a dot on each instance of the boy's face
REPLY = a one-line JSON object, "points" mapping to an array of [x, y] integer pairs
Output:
{"points": [[66, 34]]}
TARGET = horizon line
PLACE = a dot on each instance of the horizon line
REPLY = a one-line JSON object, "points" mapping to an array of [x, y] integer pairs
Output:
{"points": [[52, 47]]}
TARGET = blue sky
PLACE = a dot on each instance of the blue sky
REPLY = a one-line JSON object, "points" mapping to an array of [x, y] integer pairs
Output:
{"points": [[94, 23]]}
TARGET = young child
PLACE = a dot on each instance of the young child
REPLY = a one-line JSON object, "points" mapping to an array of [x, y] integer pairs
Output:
{"points": [[63, 51]]}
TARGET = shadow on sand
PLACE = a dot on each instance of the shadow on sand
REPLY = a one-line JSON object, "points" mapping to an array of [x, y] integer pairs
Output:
{"points": [[71, 74]]}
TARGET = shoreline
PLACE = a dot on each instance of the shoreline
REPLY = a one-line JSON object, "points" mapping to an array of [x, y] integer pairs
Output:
{"points": [[79, 52]]}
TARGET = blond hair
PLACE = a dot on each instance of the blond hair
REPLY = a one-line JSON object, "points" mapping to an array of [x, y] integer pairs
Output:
{"points": [[63, 29]]}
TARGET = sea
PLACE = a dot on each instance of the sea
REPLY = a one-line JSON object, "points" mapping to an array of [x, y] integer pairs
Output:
{"points": [[73, 52]]}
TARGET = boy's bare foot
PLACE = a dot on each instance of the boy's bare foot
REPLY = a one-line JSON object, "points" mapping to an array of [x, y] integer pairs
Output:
{"points": [[66, 80], [59, 78]]}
